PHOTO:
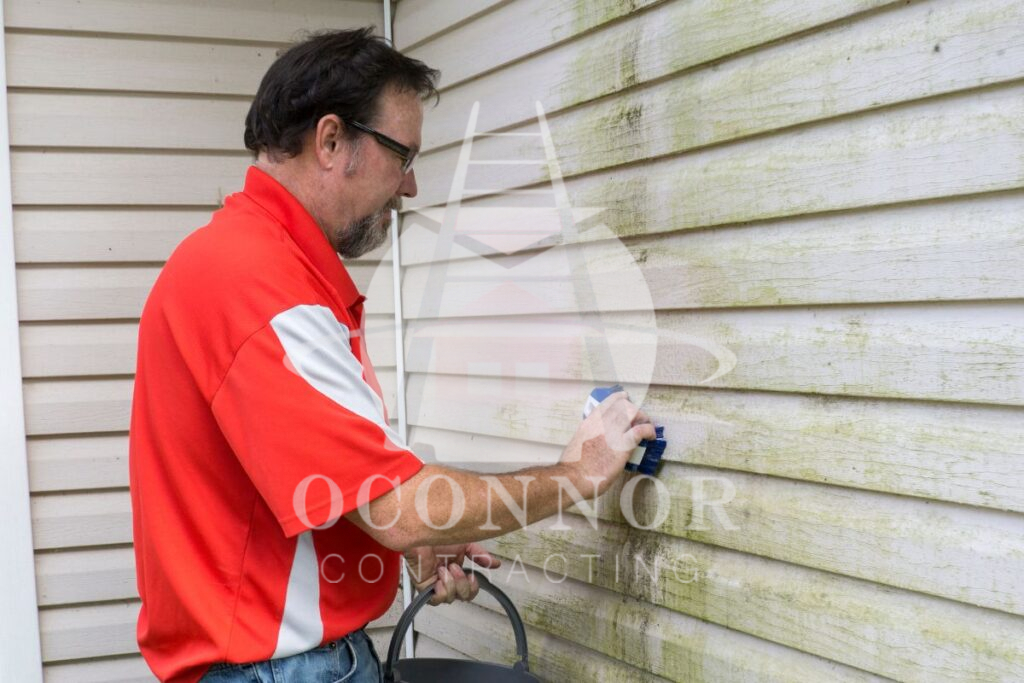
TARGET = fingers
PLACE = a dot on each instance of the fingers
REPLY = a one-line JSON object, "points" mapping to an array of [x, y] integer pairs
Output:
{"points": [[453, 584], [623, 413], [444, 588], [641, 417], [619, 416], [463, 586], [644, 431], [450, 581]]}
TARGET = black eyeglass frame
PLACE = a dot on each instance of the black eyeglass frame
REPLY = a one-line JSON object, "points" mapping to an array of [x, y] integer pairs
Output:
{"points": [[406, 153]]}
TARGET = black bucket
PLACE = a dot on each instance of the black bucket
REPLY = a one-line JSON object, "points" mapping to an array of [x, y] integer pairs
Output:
{"points": [[436, 670]]}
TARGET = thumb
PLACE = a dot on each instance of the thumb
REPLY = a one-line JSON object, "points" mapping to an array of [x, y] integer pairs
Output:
{"points": [[480, 556]]}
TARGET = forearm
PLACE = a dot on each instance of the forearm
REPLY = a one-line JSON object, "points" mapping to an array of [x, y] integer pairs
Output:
{"points": [[441, 505], [499, 503]]}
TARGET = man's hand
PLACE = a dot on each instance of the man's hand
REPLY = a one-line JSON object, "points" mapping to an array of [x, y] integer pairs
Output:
{"points": [[442, 565], [604, 441]]}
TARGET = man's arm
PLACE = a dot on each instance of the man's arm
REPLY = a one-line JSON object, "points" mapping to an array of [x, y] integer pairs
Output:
{"points": [[594, 458]]}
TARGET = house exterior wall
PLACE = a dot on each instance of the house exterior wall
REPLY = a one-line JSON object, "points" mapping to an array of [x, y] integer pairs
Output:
{"points": [[126, 124], [818, 208]]}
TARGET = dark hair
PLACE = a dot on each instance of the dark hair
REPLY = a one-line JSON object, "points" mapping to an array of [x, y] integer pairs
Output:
{"points": [[335, 72]]}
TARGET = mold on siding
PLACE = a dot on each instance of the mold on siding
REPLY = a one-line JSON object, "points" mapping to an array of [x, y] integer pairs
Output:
{"points": [[839, 207]]}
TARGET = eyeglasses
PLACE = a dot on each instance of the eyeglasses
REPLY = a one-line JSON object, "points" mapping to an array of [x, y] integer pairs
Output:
{"points": [[406, 153]]}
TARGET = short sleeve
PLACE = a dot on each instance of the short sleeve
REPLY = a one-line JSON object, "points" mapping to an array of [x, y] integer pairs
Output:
{"points": [[307, 428]]}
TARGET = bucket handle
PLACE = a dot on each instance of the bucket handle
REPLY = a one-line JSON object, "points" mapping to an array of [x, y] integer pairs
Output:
{"points": [[406, 621]]}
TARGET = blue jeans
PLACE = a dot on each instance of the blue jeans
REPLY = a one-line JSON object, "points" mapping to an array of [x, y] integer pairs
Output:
{"points": [[351, 659]]}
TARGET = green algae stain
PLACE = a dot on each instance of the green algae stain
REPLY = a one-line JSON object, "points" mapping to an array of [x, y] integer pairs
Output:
{"points": [[607, 68], [612, 134], [588, 14], [628, 202], [513, 422]]}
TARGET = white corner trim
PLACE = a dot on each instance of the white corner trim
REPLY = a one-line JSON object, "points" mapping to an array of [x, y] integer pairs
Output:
{"points": [[396, 272], [20, 657]]}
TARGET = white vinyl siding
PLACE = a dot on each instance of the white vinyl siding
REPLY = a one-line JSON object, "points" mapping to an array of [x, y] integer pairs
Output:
{"points": [[831, 191], [126, 122]]}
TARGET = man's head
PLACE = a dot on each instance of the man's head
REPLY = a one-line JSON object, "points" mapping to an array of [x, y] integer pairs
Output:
{"points": [[331, 121]]}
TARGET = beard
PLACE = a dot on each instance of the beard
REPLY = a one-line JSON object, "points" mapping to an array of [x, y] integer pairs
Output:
{"points": [[365, 234]]}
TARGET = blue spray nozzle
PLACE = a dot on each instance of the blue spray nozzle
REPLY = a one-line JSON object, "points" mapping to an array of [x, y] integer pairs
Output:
{"points": [[653, 450]]}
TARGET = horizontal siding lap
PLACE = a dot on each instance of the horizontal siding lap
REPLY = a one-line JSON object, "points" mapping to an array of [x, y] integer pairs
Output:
{"points": [[67, 349], [131, 64], [419, 20], [967, 249], [88, 631], [126, 120], [957, 453], [946, 353], [77, 406], [487, 453], [75, 293], [988, 222], [485, 42], [78, 463], [75, 520], [59, 234], [253, 20], [76, 576], [125, 178], [126, 669]]}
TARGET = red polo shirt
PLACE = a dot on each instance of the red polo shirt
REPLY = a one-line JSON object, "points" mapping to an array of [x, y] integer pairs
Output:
{"points": [[256, 417]]}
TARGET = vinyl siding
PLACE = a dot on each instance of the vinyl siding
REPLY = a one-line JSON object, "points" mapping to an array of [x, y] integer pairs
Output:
{"points": [[126, 133], [827, 195]]}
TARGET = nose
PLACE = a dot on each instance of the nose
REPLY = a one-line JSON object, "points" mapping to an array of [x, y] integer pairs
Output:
{"points": [[408, 186]]}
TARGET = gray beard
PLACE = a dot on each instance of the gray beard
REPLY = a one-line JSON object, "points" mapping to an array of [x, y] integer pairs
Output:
{"points": [[365, 234]]}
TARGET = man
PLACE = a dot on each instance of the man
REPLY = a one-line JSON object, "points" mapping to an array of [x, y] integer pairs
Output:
{"points": [[271, 499]]}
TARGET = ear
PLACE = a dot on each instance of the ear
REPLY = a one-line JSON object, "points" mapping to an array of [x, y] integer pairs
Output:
{"points": [[329, 143]]}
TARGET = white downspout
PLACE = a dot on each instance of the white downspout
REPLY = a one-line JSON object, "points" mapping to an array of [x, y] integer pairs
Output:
{"points": [[396, 272]]}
